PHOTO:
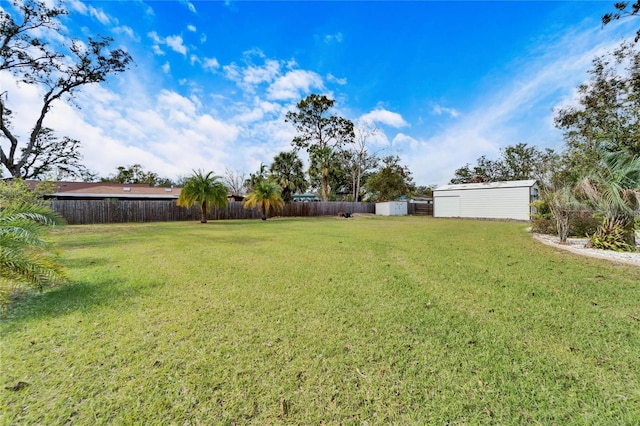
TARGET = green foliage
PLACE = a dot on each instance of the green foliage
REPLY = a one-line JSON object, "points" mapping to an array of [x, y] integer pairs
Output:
{"points": [[607, 116], [612, 237], [26, 258], [204, 190], [321, 134], [266, 195], [517, 162], [391, 181], [136, 174], [622, 10], [613, 190], [287, 171], [17, 191], [581, 224]]}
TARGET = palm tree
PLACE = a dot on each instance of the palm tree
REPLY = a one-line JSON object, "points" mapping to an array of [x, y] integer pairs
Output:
{"points": [[25, 256], [563, 203], [203, 190], [287, 171], [267, 195], [614, 191]]}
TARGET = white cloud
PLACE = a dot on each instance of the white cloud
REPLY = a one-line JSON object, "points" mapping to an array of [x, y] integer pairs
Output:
{"points": [[191, 28], [210, 64], [333, 79], [176, 43], [439, 110], [99, 14], [294, 84], [250, 76], [333, 38], [191, 7], [127, 31], [157, 50], [517, 111], [166, 68], [382, 116]]}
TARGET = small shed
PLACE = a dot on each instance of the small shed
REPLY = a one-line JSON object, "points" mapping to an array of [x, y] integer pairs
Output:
{"points": [[392, 208], [487, 200]]}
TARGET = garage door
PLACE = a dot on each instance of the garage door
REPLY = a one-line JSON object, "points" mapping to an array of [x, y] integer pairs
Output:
{"points": [[444, 206]]}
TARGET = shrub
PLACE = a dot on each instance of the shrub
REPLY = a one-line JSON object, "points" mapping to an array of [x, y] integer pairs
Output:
{"points": [[581, 224], [612, 236]]}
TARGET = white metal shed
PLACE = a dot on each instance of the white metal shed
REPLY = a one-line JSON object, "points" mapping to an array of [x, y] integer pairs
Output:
{"points": [[488, 200]]}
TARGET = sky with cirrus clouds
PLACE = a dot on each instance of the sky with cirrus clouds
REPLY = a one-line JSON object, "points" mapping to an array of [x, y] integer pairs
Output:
{"points": [[444, 82]]}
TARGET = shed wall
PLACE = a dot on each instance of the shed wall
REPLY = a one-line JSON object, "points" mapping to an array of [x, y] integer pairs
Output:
{"points": [[489, 203]]}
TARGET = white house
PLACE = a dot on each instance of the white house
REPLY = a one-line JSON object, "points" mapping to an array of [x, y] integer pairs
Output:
{"points": [[489, 200]]}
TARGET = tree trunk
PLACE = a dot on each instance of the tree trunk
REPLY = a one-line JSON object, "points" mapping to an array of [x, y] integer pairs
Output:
{"points": [[324, 183], [562, 222], [264, 212], [203, 212]]}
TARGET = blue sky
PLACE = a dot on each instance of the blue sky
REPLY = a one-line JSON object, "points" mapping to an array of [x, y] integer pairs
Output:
{"points": [[445, 82]]}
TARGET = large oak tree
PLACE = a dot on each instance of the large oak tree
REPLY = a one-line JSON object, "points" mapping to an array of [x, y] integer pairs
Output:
{"points": [[59, 71]]}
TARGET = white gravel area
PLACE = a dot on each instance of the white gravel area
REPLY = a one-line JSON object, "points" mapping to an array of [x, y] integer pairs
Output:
{"points": [[579, 246]]}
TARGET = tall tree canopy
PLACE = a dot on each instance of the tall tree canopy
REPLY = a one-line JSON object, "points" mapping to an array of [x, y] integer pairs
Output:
{"points": [[136, 174], [59, 72], [622, 10], [391, 181], [516, 162], [287, 171], [607, 116], [358, 161], [321, 134]]}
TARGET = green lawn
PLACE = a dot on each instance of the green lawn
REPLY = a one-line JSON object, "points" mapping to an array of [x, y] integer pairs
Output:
{"points": [[316, 321]]}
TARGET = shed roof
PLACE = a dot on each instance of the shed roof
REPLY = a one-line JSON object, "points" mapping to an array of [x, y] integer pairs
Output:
{"points": [[486, 185]]}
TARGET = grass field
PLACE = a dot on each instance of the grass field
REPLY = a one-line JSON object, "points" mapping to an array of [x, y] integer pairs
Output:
{"points": [[317, 321]]}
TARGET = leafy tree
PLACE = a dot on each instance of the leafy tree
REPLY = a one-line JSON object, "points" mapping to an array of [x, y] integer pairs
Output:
{"points": [[287, 171], [234, 181], [485, 171], [204, 190], [338, 179], [25, 52], [136, 174], [391, 181], [608, 113], [18, 192], [516, 162], [266, 195], [26, 258], [256, 177], [321, 134], [424, 191], [622, 10], [613, 189], [358, 161]]}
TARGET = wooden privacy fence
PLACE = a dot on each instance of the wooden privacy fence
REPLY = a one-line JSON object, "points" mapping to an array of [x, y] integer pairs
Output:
{"points": [[80, 212], [420, 209]]}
